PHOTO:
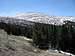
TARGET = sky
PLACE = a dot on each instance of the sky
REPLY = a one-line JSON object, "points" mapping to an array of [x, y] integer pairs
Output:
{"points": [[51, 7]]}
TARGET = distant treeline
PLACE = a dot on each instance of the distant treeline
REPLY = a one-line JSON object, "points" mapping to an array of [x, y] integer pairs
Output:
{"points": [[45, 36]]}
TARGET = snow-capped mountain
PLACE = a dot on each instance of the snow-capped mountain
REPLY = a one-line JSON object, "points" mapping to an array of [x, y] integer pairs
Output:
{"points": [[37, 17], [43, 18]]}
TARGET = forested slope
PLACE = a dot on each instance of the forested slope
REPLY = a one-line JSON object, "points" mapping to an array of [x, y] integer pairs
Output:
{"points": [[45, 36]]}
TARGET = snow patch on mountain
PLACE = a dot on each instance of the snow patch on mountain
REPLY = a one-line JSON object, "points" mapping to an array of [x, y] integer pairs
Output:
{"points": [[43, 18]]}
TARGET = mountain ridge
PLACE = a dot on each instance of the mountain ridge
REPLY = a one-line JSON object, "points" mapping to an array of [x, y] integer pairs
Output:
{"points": [[43, 18]]}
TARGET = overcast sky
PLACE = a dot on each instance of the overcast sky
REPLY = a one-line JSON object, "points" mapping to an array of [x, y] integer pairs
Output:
{"points": [[52, 7]]}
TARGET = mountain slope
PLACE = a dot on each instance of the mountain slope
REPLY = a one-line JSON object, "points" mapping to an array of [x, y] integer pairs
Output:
{"points": [[11, 45], [43, 18], [21, 18]]}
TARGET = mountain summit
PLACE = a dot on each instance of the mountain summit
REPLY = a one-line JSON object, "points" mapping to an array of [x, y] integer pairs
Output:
{"points": [[43, 18]]}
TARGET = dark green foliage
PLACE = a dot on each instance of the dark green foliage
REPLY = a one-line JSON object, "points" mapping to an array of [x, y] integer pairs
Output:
{"points": [[17, 29], [61, 37], [40, 35], [68, 35], [47, 36]]}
